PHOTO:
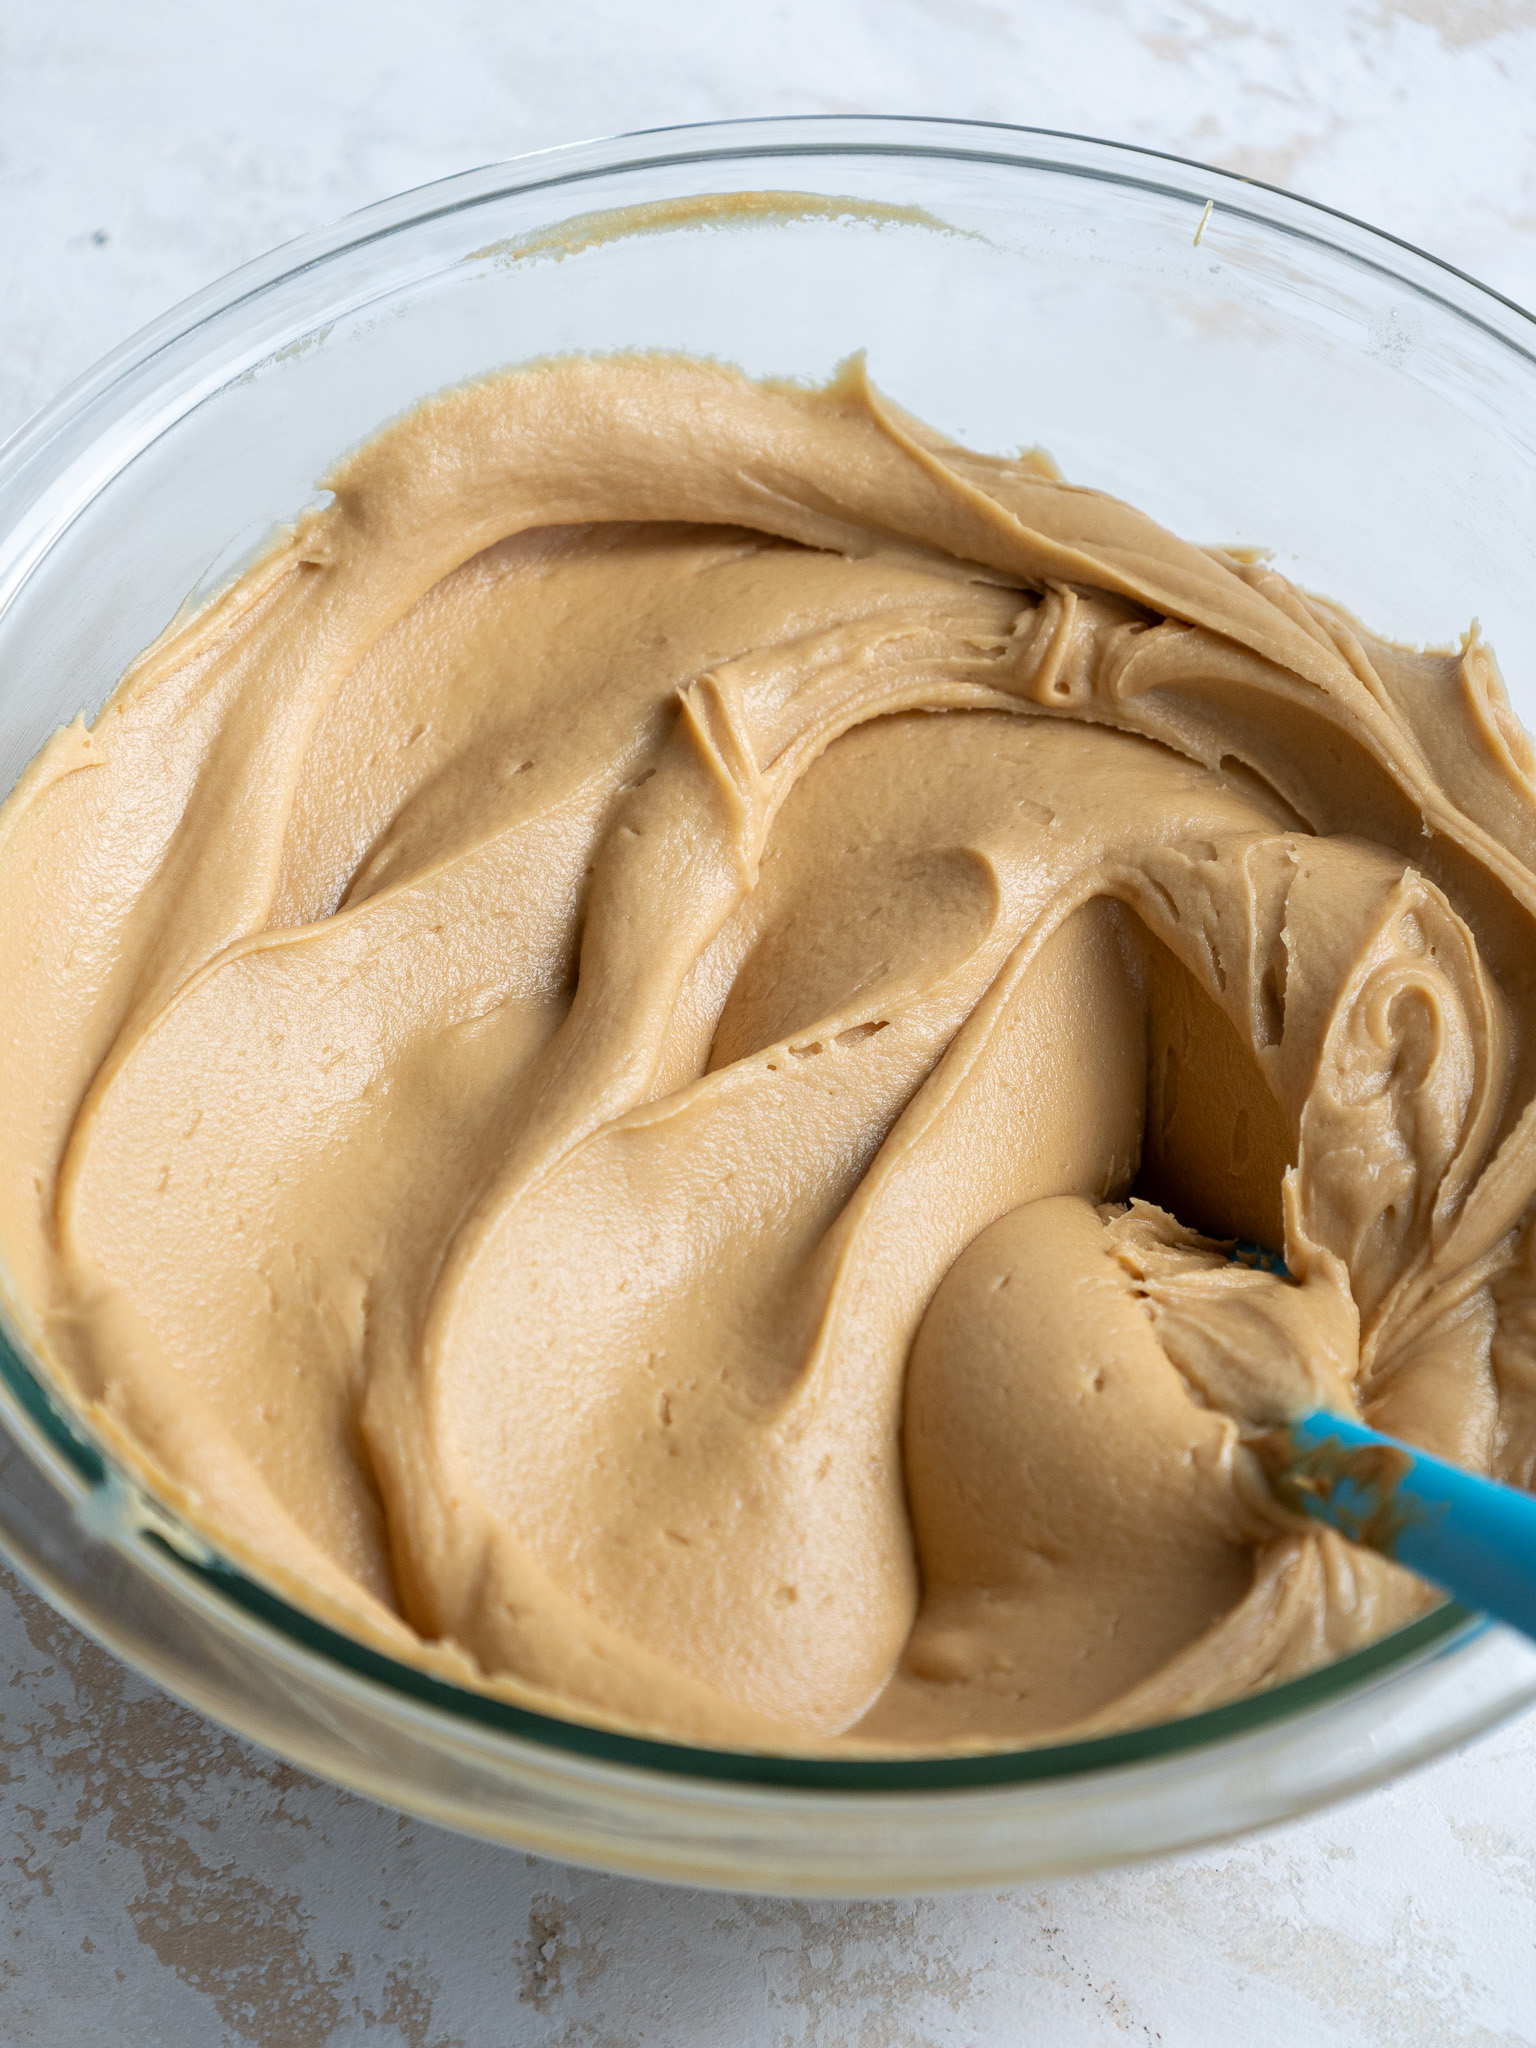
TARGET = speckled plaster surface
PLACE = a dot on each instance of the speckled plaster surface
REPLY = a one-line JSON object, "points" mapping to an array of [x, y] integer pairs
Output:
{"points": [[162, 1882]]}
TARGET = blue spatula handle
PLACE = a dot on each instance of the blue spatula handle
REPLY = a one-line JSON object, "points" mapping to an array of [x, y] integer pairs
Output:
{"points": [[1474, 1537]]}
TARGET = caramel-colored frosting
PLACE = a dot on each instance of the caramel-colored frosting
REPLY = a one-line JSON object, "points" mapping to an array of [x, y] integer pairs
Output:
{"points": [[627, 1066]]}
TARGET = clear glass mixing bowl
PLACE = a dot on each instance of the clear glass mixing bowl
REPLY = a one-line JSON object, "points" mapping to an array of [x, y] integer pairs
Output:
{"points": [[1285, 377]]}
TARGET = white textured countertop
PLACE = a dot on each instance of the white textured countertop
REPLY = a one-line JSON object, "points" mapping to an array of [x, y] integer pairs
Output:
{"points": [[161, 1882]]}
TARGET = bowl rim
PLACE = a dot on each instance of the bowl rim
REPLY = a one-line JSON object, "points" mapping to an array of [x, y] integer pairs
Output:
{"points": [[67, 1433], [786, 136]]}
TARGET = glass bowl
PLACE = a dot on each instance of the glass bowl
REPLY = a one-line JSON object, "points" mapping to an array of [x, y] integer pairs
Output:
{"points": [[1278, 375]]}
